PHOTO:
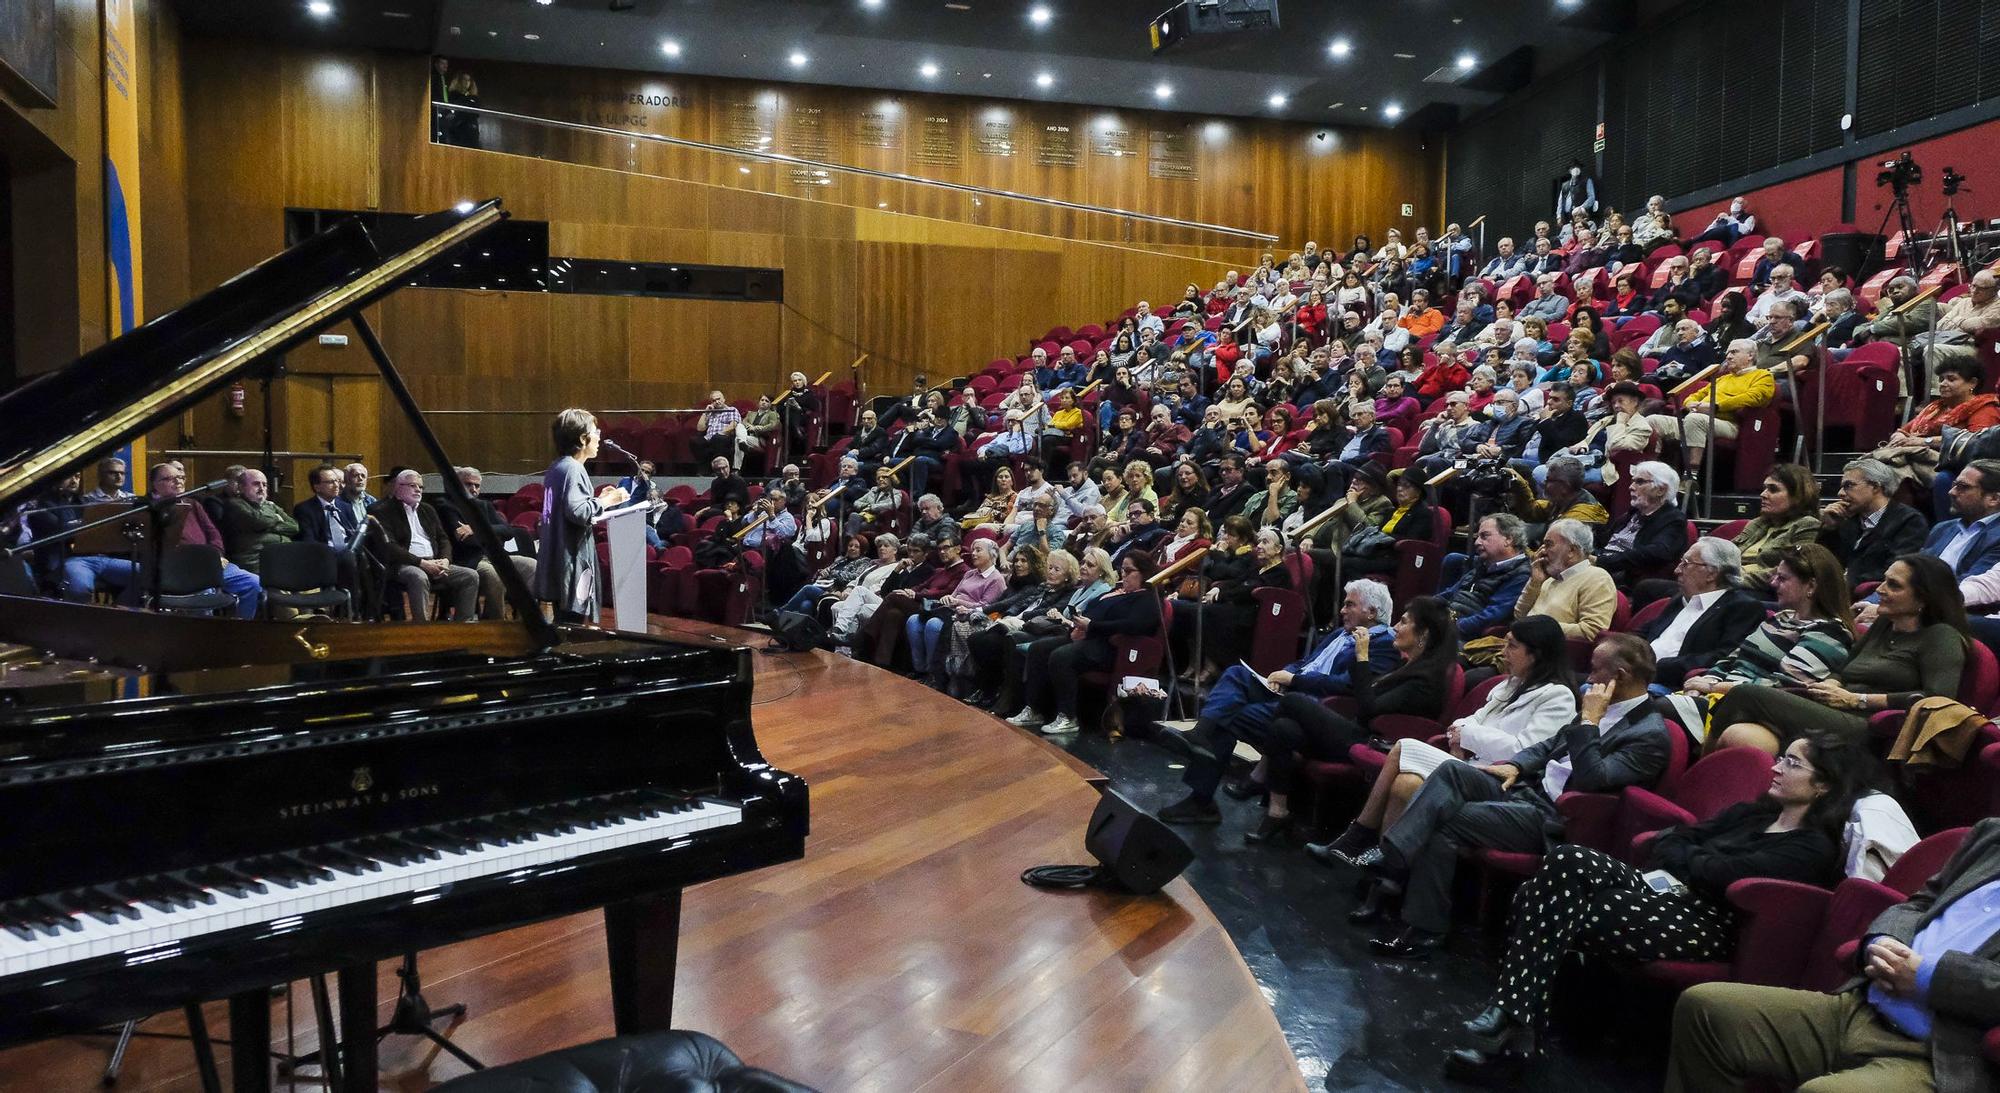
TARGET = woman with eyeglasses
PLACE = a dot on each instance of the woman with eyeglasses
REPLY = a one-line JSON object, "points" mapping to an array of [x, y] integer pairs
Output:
{"points": [[1674, 908], [1916, 647]]}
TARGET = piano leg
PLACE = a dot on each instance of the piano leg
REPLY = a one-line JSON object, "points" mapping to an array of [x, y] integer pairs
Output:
{"points": [[642, 939], [250, 1042], [357, 1025], [204, 1051]]}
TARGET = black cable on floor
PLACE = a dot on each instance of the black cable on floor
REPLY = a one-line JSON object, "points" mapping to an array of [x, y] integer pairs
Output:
{"points": [[1064, 876]]}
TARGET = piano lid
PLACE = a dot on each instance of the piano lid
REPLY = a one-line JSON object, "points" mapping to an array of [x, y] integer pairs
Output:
{"points": [[59, 421]]}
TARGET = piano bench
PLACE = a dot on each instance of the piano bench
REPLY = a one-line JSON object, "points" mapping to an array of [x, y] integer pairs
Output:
{"points": [[627, 1064]]}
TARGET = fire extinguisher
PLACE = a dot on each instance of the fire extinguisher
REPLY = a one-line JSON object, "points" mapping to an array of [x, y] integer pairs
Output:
{"points": [[237, 395]]}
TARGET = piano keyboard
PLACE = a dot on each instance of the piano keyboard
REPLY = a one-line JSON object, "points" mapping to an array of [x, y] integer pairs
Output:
{"points": [[136, 916]]}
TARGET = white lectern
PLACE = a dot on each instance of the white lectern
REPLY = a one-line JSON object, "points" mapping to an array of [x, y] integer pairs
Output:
{"points": [[624, 588]]}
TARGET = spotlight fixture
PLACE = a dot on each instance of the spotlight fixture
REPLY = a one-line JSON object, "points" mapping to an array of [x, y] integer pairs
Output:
{"points": [[1465, 62], [798, 59], [1340, 47], [532, 37], [670, 47], [1163, 91], [929, 70], [871, 3], [1278, 100], [1040, 15], [1044, 80], [320, 9], [1392, 110]]}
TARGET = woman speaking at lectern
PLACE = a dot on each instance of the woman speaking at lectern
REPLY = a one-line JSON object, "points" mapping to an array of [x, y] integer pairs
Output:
{"points": [[567, 578]]}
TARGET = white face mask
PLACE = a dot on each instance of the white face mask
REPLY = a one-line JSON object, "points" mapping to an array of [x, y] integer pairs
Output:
{"points": [[1499, 410]]}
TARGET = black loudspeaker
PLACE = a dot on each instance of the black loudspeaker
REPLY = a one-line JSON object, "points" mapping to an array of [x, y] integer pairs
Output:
{"points": [[1849, 250], [1138, 852]]}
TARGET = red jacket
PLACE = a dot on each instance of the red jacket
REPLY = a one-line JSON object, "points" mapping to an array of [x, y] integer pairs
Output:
{"points": [[1441, 377]]}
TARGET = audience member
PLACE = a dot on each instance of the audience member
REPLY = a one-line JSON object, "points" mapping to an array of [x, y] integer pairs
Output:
{"points": [[1916, 646], [1707, 617], [1588, 901]]}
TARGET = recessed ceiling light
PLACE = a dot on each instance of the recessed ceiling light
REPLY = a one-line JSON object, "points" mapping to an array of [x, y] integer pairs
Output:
{"points": [[1163, 91], [986, 75], [1043, 79], [1392, 110], [1040, 15], [670, 47], [545, 3], [1404, 56], [532, 37], [1336, 105], [1340, 47], [929, 70], [1465, 62], [320, 9], [798, 59], [871, 3], [1278, 99]]}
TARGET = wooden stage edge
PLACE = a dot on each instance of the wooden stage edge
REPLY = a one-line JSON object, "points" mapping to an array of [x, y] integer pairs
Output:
{"points": [[902, 954]]}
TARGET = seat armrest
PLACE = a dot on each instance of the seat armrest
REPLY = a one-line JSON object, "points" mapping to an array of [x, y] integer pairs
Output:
{"points": [[1588, 818], [1780, 920]]}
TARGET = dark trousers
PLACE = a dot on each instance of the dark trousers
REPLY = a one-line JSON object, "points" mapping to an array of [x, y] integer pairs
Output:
{"points": [[706, 448], [879, 635], [1459, 806], [1302, 729], [1054, 668], [989, 650]]}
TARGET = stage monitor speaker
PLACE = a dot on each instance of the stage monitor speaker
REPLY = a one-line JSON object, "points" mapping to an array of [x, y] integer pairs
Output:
{"points": [[1138, 851]]}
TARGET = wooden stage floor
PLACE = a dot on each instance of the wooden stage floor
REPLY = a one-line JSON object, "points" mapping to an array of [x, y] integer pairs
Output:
{"points": [[902, 954]]}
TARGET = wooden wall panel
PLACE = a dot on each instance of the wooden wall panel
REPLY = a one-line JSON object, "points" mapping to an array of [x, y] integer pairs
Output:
{"points": [[931, 282]]}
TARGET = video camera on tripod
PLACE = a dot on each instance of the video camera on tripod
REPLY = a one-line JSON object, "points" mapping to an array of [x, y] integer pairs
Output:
{"points": [[1902, 173], [1487, 477]]}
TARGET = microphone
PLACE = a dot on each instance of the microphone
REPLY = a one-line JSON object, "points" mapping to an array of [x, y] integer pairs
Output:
{"points": [[607, 442]]}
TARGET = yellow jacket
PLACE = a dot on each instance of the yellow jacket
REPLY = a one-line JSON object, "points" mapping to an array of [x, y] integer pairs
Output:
{"points": [[1750, 389]]}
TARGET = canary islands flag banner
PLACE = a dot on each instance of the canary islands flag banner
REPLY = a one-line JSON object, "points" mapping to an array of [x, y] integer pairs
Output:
{"points": [[122, 265]]}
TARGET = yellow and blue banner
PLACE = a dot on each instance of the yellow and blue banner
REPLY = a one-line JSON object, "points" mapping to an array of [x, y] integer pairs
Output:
{"points": [[124, 267]]}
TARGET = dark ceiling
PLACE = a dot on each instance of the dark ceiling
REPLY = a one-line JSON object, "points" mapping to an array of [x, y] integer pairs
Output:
{"points": [[1096, 52]]}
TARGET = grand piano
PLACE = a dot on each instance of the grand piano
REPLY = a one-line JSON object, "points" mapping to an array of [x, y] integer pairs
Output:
{"points": [[201, 808]]}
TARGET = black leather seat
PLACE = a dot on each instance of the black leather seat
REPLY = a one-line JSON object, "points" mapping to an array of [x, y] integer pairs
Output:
{"points": [[656, 1062]]}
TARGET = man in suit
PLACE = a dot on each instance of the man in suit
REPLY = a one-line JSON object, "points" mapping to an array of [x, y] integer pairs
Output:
{"points": [[1653, 532], [1709, 618], [466, 551], [417, 552], [1617, 740], [1232, 490], [1557, 427], [1864, 528], [323, 519], [1914, 1018], [1970, 543]]}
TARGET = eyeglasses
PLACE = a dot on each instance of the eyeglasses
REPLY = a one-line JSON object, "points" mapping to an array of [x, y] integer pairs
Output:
{"points": [[1793, 763]]}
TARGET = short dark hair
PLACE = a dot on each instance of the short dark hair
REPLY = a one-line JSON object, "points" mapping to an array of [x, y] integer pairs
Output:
{"points": [[326, 468], [1033, 462], [569, 429], [1969, 370]]}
